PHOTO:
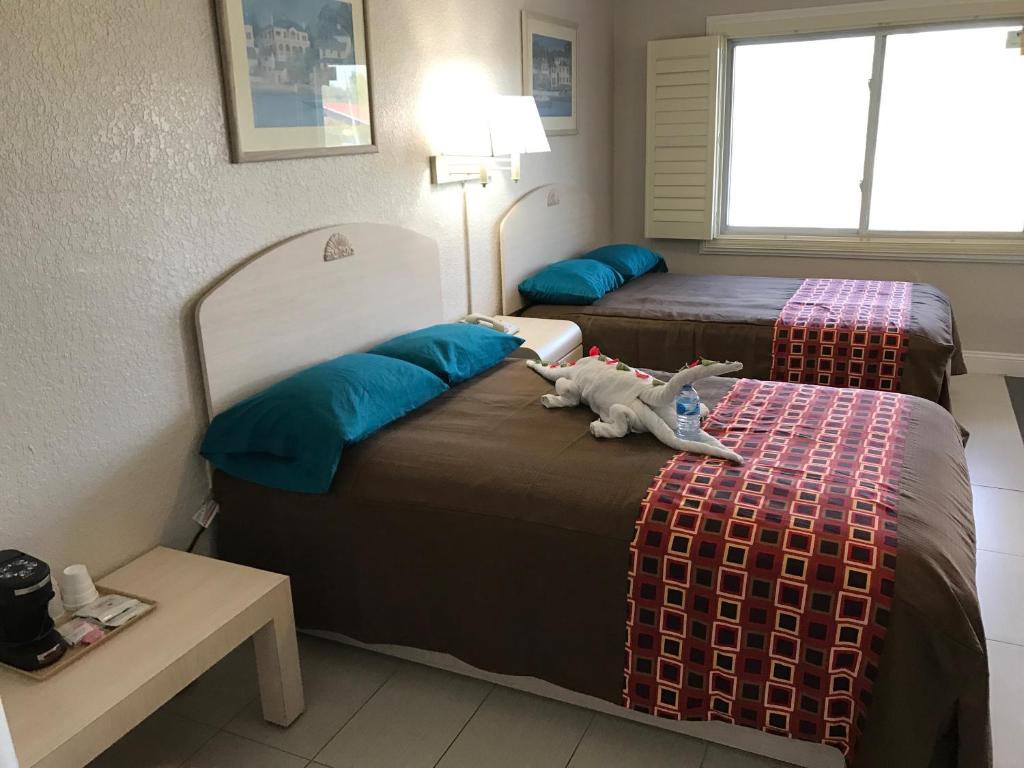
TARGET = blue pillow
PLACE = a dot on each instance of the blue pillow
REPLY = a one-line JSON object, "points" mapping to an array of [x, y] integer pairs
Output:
{"points": [[454, 352], [576, 281], [629, 260], [290, 436]]}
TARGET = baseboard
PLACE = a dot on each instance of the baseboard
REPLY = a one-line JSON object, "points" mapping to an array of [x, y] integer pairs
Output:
{"points": [[1000, 363]]}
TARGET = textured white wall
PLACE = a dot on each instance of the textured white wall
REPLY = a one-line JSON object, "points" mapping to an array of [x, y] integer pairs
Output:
{"points": [[118, 207], [986, 297]]}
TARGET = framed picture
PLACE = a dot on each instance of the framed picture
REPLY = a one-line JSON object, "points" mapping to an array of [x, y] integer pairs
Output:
{"points": [[297, 78], [551, 70]]}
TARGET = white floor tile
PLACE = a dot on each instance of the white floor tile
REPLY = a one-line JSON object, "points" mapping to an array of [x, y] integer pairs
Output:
{"points": [[337, 680], [1006, 678], [226, 750], [999, 519], [611, 741], [163, 740], [409, 723], [222, 692], [1001, 590], [516, 730], [995, 452]]}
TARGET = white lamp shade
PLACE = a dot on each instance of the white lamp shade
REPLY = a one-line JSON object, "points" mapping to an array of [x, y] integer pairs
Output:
{"points": [[516, 127]]}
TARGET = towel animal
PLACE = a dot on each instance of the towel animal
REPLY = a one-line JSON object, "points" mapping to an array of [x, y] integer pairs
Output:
{"points": [[628, 400]]}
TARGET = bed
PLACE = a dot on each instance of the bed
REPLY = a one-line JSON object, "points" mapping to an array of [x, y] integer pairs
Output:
{"points": [[663, 320], [488, 534]]}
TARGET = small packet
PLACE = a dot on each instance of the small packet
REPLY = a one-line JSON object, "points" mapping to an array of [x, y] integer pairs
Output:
{"points": [[106, 608], [76, 631], [95, 636], [125, 616]]}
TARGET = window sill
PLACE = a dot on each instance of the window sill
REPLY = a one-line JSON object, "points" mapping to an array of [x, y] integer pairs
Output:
{"points": [[968, 250]]}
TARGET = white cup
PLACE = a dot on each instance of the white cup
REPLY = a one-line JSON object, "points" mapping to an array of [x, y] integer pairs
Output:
{"points": [[77, 588], [55, 608]]}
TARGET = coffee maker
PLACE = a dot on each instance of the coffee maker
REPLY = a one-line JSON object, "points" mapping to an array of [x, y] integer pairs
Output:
{"points": [[28, 639]]}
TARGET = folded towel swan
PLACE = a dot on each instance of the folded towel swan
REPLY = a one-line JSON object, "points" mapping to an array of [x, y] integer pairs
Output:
{"points": [[628, 400]]}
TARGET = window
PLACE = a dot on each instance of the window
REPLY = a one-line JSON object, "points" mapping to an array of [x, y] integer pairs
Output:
{"points": [[896, 132], [799, 118]]}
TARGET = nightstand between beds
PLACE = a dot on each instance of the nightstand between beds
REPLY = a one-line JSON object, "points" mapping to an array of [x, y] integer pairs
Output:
{"points": [[554, 341]]}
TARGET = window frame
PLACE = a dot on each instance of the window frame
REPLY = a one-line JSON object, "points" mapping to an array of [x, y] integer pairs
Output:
{"points": [[863, 242]]}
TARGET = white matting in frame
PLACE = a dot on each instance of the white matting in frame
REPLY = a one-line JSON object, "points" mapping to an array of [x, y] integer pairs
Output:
{"points": [[551, 71], [297, 78]]}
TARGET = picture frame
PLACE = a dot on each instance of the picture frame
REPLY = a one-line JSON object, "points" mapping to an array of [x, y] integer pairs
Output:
{"points": [[297, 78], [551, 71]]}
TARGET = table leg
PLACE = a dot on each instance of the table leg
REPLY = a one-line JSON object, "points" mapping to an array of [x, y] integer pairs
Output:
{"points": [[277, 663]]}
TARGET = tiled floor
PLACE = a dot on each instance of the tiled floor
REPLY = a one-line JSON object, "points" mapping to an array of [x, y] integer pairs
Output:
{"points": [[371, 711], [995, 455], [364, 710]]}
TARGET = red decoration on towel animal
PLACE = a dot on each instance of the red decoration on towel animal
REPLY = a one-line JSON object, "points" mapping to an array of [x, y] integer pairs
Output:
{"points": [[594, 352]]}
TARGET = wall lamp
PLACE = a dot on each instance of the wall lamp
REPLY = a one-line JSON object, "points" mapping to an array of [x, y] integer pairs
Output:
{"points": [[510, 129]]}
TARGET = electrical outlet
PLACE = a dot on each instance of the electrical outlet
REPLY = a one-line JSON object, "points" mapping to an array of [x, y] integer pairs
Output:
{"points": [[1013, 39], [205, 514]]}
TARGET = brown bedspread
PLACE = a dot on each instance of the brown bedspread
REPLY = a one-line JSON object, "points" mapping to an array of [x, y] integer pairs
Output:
{"points": [[490, 528], [662, 321]]}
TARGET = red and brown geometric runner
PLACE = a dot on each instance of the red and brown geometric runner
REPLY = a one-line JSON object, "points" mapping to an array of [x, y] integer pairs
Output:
{"points": [[844, 333], [760, 594]]}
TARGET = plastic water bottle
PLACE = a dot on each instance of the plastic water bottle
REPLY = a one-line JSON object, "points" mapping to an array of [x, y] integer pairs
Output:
{"points": [[688, 413]]}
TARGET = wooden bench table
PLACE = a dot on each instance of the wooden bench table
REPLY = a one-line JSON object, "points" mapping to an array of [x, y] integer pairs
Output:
{"points": [[205, 609]]}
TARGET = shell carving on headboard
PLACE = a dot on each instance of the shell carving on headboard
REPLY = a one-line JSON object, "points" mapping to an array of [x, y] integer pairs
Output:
{"points": [[338, 247]]}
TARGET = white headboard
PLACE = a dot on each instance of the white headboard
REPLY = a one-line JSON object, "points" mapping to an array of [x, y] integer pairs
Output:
{"points": [[549, 224], [309, 299]]}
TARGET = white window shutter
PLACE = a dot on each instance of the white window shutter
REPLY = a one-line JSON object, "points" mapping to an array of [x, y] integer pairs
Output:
{"points": [[684, 114]]}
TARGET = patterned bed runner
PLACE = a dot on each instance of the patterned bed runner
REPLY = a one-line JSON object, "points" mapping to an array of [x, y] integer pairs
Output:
{"points": [[760, 595], [844, 333]]}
